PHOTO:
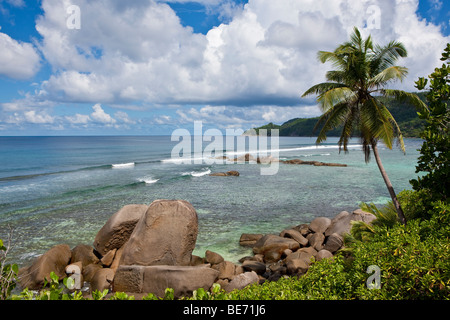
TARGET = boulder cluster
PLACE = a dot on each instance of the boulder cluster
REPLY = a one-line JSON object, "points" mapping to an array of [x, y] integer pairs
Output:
{"points": [[291, 251], [145, 249], [247, 158]]}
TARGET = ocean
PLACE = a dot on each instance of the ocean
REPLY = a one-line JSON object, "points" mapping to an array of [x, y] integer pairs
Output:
{"points": [[57, 190]]}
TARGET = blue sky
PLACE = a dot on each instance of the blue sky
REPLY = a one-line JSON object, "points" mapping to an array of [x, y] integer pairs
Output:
{"points": [[152, 66]]}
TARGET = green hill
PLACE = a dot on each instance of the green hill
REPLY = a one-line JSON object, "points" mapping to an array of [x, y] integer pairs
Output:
{"points": [[405, 115]]}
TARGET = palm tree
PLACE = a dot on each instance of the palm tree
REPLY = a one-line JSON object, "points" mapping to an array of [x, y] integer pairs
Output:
{"points": [[350, 98]]}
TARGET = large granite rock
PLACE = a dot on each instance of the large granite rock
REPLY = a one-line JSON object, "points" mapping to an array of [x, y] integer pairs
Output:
{"points": [[165, 235], [155, 279], [118, 228], [241, 281], [85, 254], [273, 247], [54, 260], [320, 224], [249, 239], [341, 224]]}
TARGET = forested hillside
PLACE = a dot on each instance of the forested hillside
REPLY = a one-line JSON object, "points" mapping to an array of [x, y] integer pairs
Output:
{"points": [[405, 115]]}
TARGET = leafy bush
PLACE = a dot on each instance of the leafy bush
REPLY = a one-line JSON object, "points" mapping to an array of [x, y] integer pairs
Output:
{"points": [[435, 152], [8, 273]]}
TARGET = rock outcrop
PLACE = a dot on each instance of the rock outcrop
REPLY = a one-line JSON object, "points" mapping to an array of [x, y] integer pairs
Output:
{"points": [[165, 235], [291, 252], [146, 249], [313, 163], [54, 260], [117, 230], [232, 173]]}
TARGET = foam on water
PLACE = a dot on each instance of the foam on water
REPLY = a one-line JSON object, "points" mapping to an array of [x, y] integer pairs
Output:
{"points": [[123, 165], [63, 190], [197, 173], [148, 180]]}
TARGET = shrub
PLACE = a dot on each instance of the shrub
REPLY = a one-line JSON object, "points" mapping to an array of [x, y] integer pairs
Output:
{"points": [[8, 272]]}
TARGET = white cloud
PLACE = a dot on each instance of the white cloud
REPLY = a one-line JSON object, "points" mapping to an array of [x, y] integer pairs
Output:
{"points": [[99, 115], [18, 60], [252, 69], [40, 118], [78, 119], [266, 55], [123, 117], [226, 117]]}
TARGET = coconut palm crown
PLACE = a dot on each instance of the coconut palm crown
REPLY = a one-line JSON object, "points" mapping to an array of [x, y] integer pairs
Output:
{"points": [[350, 97]]}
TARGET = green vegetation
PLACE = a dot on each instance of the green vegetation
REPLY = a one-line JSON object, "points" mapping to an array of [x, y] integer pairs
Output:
{"points": [[350, 98], [435, 151], [406, 116], [8, 272]]}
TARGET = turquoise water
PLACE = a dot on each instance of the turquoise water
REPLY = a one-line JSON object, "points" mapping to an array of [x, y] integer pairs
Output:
{"points": [[63, 189]]}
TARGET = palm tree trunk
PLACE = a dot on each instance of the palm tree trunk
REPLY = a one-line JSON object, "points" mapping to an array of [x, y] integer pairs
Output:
{"points": [[395, 201]]}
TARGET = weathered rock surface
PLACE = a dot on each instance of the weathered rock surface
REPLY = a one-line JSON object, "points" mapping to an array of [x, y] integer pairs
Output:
{"points": [[249, 240], [271, 241], [225, 174], [155, 253], [341, 224], [296, 235], [85, 254], [226, 270], [313, 163], [334, 242], [54, 260], [213, 257], [255, 266], [165, 235], [320, 224], [118, 228], [102, 279], [241, 281], [323, 254], [155, 279]]}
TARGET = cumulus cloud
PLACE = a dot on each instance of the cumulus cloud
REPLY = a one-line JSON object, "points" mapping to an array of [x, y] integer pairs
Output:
{"points": [[18, 60], [252, 69], [40, 118], [265, 56], [101, 116], [78, 119], [236, 117]]}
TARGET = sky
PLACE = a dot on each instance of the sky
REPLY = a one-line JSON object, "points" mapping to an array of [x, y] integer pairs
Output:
{"points": [[148, 67]]}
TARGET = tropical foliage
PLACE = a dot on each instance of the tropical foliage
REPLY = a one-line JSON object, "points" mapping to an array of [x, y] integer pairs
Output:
{"points": [[435, 152], [404, 113]]}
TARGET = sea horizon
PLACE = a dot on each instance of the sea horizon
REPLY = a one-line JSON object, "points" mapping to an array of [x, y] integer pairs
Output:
{"points": [[62, 189]]}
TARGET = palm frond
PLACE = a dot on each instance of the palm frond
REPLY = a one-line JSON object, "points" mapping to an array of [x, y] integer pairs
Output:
{"points": [[347, 130], [337, 76], [385, 57], [335, 96], [389, 74], [384, 217], [330, 120], [376, 121], [356, 39], [336, 58], [361, 230], [411, 98], [322, 88]]}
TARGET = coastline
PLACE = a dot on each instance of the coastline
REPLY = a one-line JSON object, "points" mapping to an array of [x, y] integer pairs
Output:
{"points": [[71, 206], [113, 258]]}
